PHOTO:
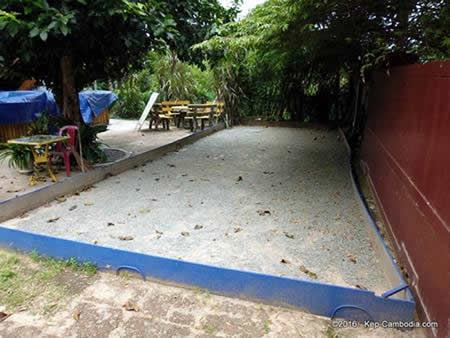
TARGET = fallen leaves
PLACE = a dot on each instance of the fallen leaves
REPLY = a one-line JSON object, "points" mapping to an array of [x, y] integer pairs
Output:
{"points": [[3, 316], [76, 314], [126, 238], [12, 191], [131, 306], [89, 188], [288, 235], [308, 272], [263, 212], [352, 258], [144, 211]]}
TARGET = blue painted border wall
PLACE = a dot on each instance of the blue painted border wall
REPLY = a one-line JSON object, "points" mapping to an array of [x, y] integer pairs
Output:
{"points": [[314, 297]]}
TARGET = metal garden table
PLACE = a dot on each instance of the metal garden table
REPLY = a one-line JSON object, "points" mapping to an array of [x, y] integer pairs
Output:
{"points": [[40, 147]]}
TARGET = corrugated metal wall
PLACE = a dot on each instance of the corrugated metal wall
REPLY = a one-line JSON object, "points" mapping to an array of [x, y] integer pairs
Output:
{"points": [[406, 149]]}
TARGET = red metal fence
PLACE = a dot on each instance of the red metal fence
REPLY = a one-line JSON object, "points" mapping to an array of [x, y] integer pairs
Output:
{"points": [[406, 149]]}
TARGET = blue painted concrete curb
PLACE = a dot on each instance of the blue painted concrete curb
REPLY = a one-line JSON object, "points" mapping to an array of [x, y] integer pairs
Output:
{"points": [[313, 297]]}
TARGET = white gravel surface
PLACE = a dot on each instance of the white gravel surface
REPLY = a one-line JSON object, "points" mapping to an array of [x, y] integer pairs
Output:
{"points": [[272, 200]]}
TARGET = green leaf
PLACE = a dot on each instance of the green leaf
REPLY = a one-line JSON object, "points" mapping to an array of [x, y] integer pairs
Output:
{"points": [[43, 36], [13, 29], [64, 30], [52, 25], [35, 31]]}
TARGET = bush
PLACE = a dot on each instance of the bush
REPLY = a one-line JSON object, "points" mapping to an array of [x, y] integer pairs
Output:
{"points": [[171, 78], [130, 104]]}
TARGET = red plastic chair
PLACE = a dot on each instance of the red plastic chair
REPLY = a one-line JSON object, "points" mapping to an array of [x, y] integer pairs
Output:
{"points": [[65, 149]]}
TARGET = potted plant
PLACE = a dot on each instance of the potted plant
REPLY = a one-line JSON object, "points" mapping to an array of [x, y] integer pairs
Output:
{"points": [[18, 156]]}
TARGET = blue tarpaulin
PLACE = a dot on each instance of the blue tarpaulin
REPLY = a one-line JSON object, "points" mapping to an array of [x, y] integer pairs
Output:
{"points": [[17, 107], [94, 102], [25, 106]]}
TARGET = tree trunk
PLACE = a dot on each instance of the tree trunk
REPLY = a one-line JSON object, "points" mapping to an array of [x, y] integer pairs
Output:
{"points": [[71, 106], [405, 7]]}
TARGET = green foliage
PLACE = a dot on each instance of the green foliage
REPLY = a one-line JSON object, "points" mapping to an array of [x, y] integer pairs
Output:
{"points": [[166, 74], [177, 80], [91, 146], [103, 39], [302, 58], [18, 156], [131, 100], [41, 126]]}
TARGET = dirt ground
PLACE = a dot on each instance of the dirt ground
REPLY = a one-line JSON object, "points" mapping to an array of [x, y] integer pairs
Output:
{"points": [[120, 134], [105, 305]]}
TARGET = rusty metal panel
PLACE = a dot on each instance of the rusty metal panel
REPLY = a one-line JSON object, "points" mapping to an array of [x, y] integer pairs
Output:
{"points": [[102, 118], [406, 149], [10, 131]]}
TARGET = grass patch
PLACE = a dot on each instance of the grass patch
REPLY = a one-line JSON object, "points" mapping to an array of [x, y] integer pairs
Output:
{"points": [[209, 329], [331, 332], [38, 283], [266, 327], [60, 265]]}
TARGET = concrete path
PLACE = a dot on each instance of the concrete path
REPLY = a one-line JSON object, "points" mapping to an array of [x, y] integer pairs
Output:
{"points": [[122, 307]]}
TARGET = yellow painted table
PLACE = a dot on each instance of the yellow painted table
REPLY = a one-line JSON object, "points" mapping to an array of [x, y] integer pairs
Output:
{"points": [[40, 147]]}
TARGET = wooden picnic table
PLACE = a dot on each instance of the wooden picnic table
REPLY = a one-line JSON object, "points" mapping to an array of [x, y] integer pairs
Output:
{"points": [[40, 147], [202, 112], [179, 113]]}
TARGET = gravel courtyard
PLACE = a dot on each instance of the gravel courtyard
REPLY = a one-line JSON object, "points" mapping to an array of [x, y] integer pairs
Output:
{"points": [[272, 200]]}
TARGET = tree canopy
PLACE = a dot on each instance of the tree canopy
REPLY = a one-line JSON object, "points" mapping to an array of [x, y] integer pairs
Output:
{"points": [[304, 57], [67, 44]]}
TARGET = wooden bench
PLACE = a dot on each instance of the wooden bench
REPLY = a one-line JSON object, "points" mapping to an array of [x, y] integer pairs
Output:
{"points": [[159, 115], [219, 110], [202, 113], [177, 116]]}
